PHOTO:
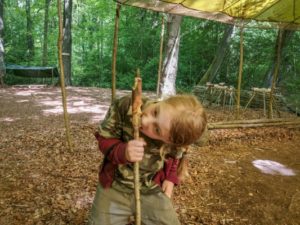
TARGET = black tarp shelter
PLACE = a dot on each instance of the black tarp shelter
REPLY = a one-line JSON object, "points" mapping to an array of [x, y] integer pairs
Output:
{"points": [[32, 71]]}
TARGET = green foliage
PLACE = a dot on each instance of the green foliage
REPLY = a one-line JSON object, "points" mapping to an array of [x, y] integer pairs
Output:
{"points": [[138, 47]]}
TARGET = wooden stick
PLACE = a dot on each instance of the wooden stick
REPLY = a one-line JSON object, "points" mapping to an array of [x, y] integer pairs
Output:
{"points": [[62, 75], [238, 102], [114, 56], [136, 114]]}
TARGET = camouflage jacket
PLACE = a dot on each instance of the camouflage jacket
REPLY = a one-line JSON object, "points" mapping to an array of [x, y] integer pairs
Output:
{"points": [[117, 130]]}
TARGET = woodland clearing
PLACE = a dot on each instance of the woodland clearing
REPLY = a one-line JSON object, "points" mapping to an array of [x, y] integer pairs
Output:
{"points": [[42, 182]]}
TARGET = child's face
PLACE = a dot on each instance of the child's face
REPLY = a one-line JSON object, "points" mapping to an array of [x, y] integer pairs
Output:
{"points": [[156, 121]]}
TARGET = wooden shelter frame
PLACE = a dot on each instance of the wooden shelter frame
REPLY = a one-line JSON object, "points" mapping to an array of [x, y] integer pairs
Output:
{"points": [[230, 124], [275, 75], [114, 60], [242, 25]]}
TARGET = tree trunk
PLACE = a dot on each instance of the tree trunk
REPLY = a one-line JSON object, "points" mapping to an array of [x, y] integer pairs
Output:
{"points": [[67, 42], [219, 57], [2, 64], [29, 34], [45, 44], [170, 65], [286, 37], [162, 34]]}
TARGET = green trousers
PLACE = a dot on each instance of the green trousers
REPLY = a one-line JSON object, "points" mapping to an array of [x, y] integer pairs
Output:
{"points": [[114, 207]]}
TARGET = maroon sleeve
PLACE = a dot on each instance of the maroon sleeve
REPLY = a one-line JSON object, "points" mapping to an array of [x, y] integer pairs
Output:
{"points": [[114, 147], [171, 170]]}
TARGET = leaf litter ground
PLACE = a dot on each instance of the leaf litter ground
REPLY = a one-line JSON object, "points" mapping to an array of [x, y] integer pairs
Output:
{"points": [[236, 177]]}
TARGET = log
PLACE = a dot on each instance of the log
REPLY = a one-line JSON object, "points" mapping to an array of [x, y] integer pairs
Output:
{"points": [[254, 123]]}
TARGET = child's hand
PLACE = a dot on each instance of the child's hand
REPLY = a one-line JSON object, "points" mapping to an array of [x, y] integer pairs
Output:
{"points": [[167, 188], [135, 150]]}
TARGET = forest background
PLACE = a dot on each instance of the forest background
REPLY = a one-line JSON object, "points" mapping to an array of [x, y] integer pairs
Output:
{"points": [[31, 31]]}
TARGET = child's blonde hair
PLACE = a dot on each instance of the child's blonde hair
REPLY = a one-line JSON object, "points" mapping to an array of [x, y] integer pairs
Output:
{"points": [[187, 126], [189, 121]]}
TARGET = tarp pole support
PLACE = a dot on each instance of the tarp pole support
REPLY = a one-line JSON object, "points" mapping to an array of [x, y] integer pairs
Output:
{"points": [[62, 76], [238, 102], [115, 49]]}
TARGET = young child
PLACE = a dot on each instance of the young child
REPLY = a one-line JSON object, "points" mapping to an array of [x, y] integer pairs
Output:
{"points": [[166, 127]]}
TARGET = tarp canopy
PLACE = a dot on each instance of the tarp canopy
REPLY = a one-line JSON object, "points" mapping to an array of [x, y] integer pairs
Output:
{"points": [[269, 13]]}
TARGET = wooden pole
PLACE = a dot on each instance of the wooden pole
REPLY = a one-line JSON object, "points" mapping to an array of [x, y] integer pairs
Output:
{"points": [[238, 102], [62, 75], [275, 75], [136, 114], [114, 57], [160, 55], [254, 123]]}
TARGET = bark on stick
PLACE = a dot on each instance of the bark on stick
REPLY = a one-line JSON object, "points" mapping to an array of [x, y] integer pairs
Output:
{"points": [[136, 114]]}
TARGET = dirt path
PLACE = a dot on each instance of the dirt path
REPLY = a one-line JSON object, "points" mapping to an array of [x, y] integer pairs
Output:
{"points": [[41, 182]]}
